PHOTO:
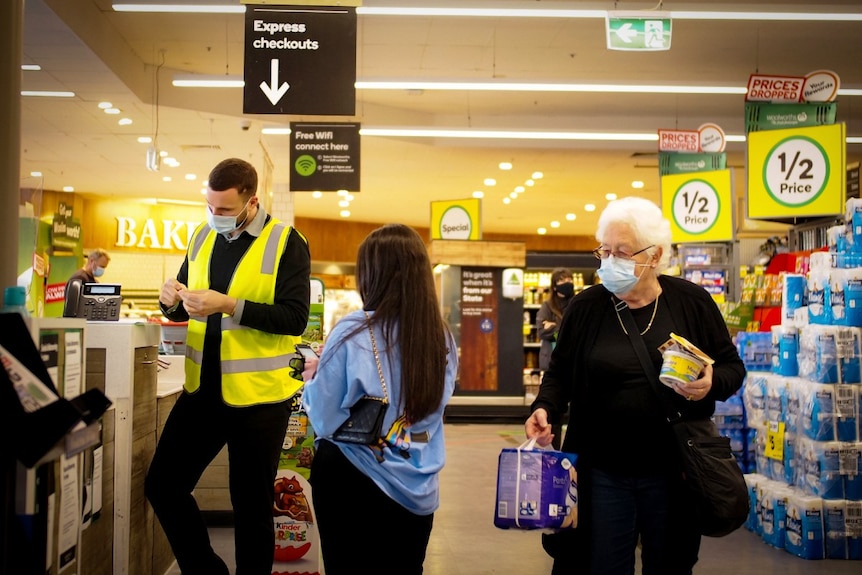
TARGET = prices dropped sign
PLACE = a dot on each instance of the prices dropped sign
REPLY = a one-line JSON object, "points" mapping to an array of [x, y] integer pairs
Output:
{"points": [[699, 206], [796, 173]]}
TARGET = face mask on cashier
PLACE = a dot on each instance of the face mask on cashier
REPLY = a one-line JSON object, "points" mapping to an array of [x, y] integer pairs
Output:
{"points": [[618, 276], [566, 290], [225, 224], [98, 272]]}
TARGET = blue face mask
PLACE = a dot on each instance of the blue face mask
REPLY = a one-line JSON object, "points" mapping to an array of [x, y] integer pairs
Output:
{"points": [[225, 224], [617, 275], [98, 272]]}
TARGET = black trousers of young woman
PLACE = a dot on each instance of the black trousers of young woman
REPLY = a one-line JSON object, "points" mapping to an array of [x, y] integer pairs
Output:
{"points": [[362, 530], [197, 428]]}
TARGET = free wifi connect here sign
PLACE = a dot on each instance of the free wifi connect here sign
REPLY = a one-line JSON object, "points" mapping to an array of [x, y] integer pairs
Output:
{"points": [[324, 156]]}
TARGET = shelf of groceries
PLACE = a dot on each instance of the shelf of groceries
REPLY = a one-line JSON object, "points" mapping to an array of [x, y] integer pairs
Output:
{"points": [[796, 424]]}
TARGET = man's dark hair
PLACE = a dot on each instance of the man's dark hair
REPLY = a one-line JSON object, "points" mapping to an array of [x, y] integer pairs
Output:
{"points": [[234, 173]]}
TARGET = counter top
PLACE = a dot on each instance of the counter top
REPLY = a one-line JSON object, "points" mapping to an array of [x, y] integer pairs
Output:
{"points": [[171, 374]]}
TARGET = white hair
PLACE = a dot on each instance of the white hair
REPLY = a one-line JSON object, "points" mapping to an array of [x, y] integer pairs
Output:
{"points": [[646, 221]]}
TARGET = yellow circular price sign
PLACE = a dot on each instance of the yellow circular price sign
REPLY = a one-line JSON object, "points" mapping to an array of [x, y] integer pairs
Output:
{"points": [[797, 172]]}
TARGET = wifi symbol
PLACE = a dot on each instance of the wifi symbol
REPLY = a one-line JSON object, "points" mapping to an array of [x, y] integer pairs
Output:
{"points": [[305, 165]]}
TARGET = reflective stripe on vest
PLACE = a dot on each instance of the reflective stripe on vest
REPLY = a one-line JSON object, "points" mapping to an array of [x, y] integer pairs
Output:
{"points": [[254, 364]]}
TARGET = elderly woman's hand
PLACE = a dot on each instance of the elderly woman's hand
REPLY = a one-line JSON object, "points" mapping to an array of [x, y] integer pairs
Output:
{"points": [[697, 389], [537, 427]]}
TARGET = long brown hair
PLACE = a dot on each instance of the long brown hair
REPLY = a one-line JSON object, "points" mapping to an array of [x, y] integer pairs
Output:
{"points": [[554, 300], [394, 278]]}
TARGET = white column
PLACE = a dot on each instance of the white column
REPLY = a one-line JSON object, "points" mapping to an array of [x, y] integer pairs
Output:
{"points": [[282, 203]]}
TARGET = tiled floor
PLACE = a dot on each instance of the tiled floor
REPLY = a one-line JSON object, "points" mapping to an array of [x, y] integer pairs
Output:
{"points": [[465, 542]]}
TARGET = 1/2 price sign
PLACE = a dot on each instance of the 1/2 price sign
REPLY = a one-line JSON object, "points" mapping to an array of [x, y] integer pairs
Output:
{"points": [[699, 206], [797, 172]]}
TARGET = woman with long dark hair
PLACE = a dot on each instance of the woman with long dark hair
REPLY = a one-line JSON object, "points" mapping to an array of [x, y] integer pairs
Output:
{"points": [[366, 497]]}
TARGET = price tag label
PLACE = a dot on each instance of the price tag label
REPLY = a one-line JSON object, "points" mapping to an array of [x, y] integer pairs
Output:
{"points": [[774, 448], [796, 171]]}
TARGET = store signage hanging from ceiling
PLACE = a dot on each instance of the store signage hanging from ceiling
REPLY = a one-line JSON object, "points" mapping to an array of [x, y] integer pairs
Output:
{"points": [[638, 31], [324, 156], [300, 60], [699, 206]]}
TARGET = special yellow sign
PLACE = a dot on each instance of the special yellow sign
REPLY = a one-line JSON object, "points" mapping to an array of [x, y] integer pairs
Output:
{"points": [[798, 172], [699, 206], [456, 220]]}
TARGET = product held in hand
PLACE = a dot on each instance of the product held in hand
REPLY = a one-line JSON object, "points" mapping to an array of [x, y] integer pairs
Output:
{"points": [[536, 489], [683, 361]]}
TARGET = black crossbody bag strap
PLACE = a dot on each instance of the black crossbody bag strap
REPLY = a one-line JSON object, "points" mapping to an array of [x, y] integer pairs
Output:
{"points": [[673, 415]]}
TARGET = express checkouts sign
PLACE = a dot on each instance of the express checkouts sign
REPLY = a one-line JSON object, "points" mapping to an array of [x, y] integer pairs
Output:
{"points": [[300, 60]]}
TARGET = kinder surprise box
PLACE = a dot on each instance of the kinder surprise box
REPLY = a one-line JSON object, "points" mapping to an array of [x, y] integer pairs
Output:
{"points": [[536, 489]]}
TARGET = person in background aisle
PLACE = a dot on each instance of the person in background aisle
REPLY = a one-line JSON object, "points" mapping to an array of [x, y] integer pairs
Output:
{"points": [[244, 288], [551, 313], [395, 481], [629, 472], [94, 267]]}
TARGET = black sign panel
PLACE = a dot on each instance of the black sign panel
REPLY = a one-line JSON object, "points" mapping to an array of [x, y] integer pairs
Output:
{"points": [[324, 157], [300, 60]]}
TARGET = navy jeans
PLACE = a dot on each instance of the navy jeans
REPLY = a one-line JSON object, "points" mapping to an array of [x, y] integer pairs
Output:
{"points": [[650, 508], [197, 428]]}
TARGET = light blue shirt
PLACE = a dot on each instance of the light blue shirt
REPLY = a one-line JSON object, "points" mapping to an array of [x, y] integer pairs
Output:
{"points": [[346, 372]]}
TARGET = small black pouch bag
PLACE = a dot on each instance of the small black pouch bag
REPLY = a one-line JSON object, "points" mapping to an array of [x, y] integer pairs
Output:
{"points": [[364, 425]]}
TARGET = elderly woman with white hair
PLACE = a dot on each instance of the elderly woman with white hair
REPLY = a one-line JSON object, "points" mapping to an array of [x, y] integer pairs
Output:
{"points": [[629, 472]]}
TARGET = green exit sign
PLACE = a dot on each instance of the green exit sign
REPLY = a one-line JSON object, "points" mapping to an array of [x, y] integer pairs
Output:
{"points": [[642, 31]]}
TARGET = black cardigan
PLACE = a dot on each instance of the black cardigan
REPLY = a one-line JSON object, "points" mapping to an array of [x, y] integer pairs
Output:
{"points": [[694, 313]]}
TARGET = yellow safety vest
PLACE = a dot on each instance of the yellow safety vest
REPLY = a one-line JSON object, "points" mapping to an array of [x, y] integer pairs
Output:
{"points": [[254, 364]]}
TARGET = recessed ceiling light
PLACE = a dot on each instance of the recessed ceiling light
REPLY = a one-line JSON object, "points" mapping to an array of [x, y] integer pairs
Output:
{"points": [[530, 183], [637, 184], [145, 140], [105, 105], [478, 194], [538, 175], [68, 189], [36, 174], [204, 190], [490, 182], [191, 177], [590, 207], [166, 178], [555, 224], [112, 111], [343, 204], [505, 165], [124, 121], [164, 154], [342, 193], [316, 195], [507, 200], [520, 189], [610, 197], [349, 197], [541, 231], [513, 195], [571, 217], [344, 213]]}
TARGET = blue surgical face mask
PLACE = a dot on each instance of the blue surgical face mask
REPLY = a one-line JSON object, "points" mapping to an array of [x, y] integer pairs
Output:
{"points": [[98, 272], [617, 275], [225, 224]]}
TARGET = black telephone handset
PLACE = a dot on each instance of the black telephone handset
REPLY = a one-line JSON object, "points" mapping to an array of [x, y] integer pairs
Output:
{"points": [[73, 298]]}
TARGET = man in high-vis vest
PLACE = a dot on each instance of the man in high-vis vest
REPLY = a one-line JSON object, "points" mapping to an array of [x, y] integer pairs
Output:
{"points": [[244, 289]]}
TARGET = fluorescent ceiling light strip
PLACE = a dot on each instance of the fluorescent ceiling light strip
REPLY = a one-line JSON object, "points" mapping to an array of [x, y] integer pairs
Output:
{"points": [[181, 8], [506, 134], [31, 67], [548, 87], [507, 13], [207, 81], [47, 94], [854, 139]]}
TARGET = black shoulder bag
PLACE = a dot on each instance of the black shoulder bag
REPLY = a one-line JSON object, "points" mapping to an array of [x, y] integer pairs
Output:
{"points": [[365, 423], [712, 475]]}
